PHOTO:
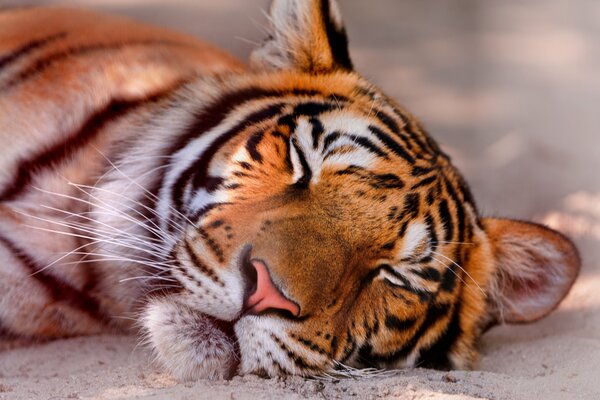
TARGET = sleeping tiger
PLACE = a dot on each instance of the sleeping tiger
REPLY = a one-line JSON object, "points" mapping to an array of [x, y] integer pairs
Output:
{"points": [[282, 218]]}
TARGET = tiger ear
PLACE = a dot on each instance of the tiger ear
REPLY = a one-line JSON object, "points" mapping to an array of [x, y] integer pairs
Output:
{"points": [[306, 35], [535, 268]]}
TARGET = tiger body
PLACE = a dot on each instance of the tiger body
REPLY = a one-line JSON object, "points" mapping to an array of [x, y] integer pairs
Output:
{"points": [[149, 179], [50, 148]]}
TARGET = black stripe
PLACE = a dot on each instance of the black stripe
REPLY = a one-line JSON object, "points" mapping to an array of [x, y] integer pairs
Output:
{"points": [[436, 356], [419, 171], [62, 151], [310, 344], [330, 139], [288, 120], [297, 359], [421, 139], [396, 324], [214, 247], [317, 131], [337, 38], [465, 191], [460, 212], [424, 295], [306, 171], [385, 181], [448, 282], [431, 231], [58, 289], [388, 121], [205, 210], [391, 144], [252, 145], [424, 182], [368, 145], [446, 218], [434, 313], [29, 47], [351, 170], [312, 108], [198, 263], [349, 348], [46, 62], [393, 127], [412, 203], [377, 181], [212, 115], [428, 273]]}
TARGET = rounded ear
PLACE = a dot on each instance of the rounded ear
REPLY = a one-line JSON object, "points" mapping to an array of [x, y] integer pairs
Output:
{"points": [[306, 35], [535, 268]]}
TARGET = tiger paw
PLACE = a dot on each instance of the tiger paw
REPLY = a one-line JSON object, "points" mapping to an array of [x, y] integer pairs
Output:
{"points": [[187, 343]]}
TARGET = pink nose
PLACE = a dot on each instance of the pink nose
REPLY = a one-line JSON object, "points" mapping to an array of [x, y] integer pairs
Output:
{"points": [[267, 296]]}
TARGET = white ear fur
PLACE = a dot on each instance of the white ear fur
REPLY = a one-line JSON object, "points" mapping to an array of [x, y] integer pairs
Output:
{"points": [[535, 268], [306, 35]]}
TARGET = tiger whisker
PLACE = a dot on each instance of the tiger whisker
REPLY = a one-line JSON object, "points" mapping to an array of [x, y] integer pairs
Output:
{"points": [[245, 40], [95, 229], [146, 191], [348, 372], [126, 245], [106, 257], [156, 230], [71, 226], [148, 277], [372, 106], [161, 287], [103, 234], [128, 260], [130, 160], [462, 269], [114, 211]]}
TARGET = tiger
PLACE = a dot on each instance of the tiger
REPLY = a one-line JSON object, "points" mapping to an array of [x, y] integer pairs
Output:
{"points": [[278, 217]]}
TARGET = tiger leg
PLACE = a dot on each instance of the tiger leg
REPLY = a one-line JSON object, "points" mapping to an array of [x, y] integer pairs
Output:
{"points": [[186, 342], [38, 302]]}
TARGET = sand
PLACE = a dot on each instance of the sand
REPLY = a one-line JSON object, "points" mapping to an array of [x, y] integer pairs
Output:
{"points": [[512, 90]]}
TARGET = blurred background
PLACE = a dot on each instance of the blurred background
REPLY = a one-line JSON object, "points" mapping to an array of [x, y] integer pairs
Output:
{"points": [[510, 88]]}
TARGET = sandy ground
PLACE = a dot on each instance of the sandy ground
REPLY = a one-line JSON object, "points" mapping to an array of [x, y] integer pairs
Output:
{"points": [[512, 89]]}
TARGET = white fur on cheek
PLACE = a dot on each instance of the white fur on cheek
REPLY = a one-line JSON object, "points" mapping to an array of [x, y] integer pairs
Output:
{"points": [[414, 236], [187, 343], [259, 351]]}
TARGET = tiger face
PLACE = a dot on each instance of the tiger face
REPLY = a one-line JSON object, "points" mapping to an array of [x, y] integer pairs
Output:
{"points": [[318, 227]]}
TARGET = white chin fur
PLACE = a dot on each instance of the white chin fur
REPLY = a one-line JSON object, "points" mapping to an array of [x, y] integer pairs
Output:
{"points": [[187, 343]]}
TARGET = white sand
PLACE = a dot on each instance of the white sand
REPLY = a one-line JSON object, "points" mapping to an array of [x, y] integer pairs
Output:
{"points": [[513, 91]]}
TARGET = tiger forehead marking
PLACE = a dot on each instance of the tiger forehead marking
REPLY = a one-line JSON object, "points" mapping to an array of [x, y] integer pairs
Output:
{"points": [[285, 219]]}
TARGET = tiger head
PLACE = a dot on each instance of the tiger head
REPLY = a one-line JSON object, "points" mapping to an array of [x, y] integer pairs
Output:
{"points": [[325, 229]]}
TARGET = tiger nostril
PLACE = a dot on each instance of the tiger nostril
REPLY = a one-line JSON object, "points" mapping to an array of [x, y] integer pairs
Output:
{"points": [[249, 274], [260, 293], [267, 296]]}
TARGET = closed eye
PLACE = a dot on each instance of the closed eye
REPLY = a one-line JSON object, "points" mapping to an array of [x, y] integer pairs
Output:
{"points": [[395, 279]]}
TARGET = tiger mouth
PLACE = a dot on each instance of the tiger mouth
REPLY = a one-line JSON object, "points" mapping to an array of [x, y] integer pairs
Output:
{"points": [[260, 298]]}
